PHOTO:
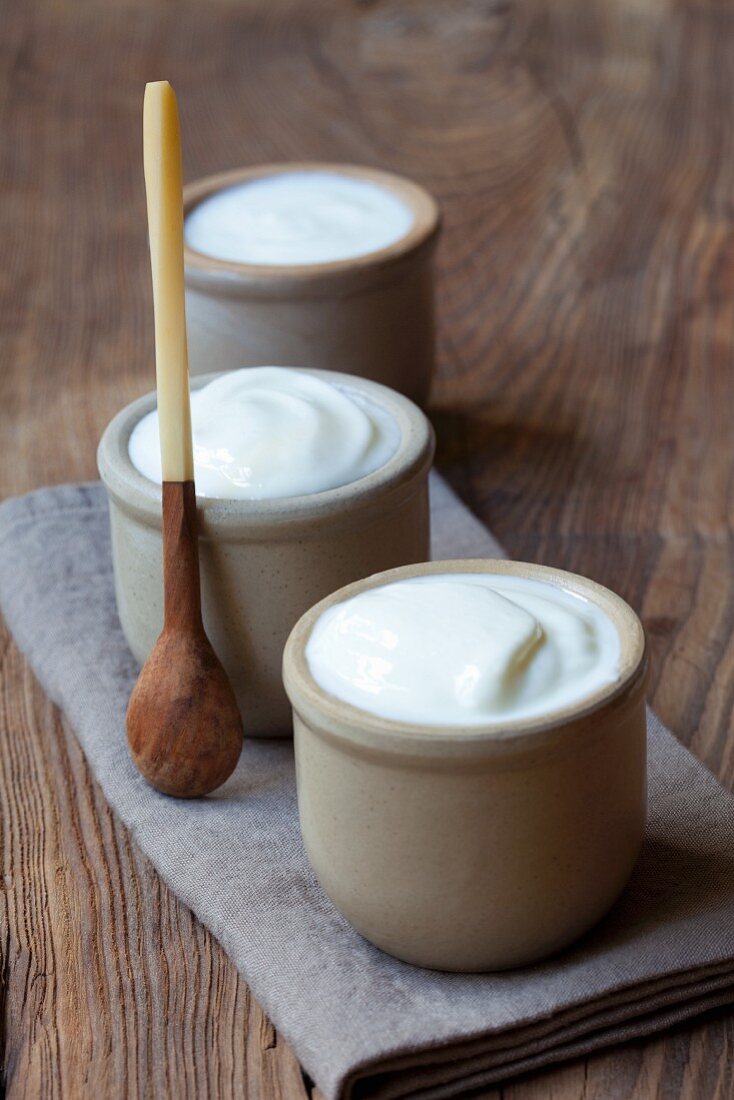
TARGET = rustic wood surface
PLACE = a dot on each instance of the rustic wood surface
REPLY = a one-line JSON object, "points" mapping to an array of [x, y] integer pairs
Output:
{"points": [[584, 154]]}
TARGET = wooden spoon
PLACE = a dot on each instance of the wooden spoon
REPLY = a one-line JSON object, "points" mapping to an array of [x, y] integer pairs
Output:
{"points": [[183, 725]]}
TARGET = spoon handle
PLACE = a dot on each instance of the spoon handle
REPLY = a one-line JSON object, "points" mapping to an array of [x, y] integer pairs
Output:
{"points": [[181, 586], [164, 193]]}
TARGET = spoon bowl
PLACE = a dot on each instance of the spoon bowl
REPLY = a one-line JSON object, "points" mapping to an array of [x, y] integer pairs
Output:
{"points": [[183, 726]]}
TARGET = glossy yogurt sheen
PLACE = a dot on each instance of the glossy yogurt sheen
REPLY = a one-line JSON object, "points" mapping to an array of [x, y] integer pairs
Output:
{"points": [[296, 218], [269, 432], [464, 649]]}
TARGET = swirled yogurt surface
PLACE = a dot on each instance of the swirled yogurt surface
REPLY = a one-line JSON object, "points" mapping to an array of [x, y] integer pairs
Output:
{"points": [[464, 649], [268, 432], [297, 218]]}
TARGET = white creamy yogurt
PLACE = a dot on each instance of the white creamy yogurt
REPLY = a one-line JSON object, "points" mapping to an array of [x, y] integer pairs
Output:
{"points": [[267, 432], [297, 218], [464, 649]]}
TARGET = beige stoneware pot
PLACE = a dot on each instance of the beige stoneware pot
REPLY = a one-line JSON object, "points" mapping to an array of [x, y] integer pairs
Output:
{"points": [[370, 315], [473, 848], [264, 562]]}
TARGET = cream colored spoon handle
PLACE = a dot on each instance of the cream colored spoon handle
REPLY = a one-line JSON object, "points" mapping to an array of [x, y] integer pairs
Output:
{"points": [[164, 192]]}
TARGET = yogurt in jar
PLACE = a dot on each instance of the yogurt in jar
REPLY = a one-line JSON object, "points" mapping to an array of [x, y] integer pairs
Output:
{"points": [[269, 432], [298, 218], [464, 649]]}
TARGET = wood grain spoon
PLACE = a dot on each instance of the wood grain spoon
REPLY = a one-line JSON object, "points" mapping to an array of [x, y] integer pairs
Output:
{"points": [[183, 725]]}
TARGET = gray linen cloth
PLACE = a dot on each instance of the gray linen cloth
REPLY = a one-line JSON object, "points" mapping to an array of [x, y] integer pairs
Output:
{"points": [[361, 1023]]}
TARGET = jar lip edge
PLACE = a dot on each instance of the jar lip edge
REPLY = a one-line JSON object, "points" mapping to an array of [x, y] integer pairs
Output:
{"points": [[133, 490], [367, 729], [425, 228]]}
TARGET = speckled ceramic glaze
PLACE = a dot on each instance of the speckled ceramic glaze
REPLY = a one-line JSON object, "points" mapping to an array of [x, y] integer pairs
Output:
{"points": [[473, 848], [263, 563], [371, 315]]}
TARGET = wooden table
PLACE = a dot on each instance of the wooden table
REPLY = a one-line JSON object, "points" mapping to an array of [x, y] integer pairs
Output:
{"points": [[583, 151]]}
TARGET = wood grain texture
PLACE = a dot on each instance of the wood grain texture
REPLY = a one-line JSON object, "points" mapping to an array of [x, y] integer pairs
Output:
{"points": [[584, 154]]}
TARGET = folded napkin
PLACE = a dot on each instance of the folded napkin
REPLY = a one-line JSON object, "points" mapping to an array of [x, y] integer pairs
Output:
{"points": [[361, 1023]]}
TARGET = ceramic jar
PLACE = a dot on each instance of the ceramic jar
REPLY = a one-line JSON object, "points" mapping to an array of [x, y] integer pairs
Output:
{"points": [[370, 315], [264, 562], [473, 848]]}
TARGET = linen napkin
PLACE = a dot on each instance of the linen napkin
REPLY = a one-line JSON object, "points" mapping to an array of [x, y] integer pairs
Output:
{"points": [[363, 1024]]}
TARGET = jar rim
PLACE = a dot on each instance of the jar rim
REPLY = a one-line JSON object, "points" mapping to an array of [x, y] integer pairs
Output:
{"points": [[352, 725], [421, 235], [134, 492]]}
